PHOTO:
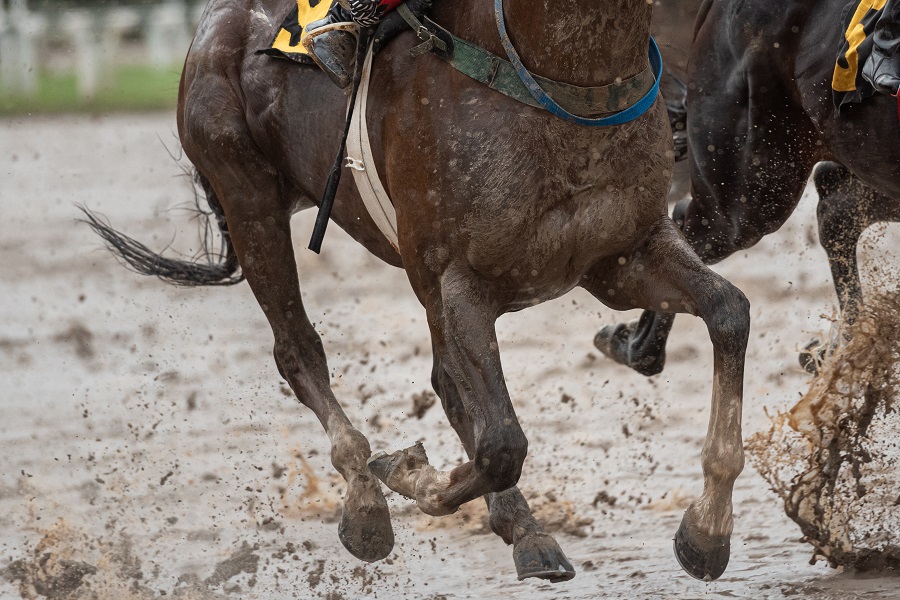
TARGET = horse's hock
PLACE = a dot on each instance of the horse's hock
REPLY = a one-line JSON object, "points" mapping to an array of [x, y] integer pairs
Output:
{"points": [[833, 457]]}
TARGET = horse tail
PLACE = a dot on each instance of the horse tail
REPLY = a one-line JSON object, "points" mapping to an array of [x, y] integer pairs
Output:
{"points": [[210, 266]]}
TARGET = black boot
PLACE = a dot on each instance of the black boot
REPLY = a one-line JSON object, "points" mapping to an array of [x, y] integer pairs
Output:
{"points": [[882, 68], [331, 42]]}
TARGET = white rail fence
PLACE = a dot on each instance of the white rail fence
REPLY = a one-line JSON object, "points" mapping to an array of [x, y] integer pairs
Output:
{"points": [[90, 42]]}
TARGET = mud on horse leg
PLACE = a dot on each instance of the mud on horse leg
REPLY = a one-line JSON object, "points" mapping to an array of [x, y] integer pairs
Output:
{"points": [[846, 208], [535, 553], [666, 274], [461, 318], [259, 225]]}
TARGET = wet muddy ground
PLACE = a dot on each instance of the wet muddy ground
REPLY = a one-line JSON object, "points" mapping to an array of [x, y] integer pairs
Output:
{"points": [[149, 447]]}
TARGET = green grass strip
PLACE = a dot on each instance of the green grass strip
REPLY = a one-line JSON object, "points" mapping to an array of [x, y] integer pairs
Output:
{"points": [[130, 89]]}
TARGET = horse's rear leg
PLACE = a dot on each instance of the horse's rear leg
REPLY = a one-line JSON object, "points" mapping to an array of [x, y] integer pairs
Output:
{"points": [[665, 274], [259, 224], [535, 553]]}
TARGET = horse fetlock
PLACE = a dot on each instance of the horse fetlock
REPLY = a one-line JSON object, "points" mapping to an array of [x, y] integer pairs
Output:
{"points": [[429, 488], [723, 469]]}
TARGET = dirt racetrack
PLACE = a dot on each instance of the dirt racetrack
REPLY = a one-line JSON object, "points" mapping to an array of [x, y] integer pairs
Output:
{"points": [[149, 447]]}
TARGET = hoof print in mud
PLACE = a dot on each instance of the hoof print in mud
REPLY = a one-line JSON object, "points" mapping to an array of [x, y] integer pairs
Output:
{"points": [[701, 557], [541, 557]]}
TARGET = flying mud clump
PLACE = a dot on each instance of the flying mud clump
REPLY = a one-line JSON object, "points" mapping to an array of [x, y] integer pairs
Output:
{"points": [[833, 458]]}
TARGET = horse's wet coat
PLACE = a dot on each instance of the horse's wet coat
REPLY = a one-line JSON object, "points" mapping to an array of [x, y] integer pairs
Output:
{"points": [[760, 116], [500, 206]]}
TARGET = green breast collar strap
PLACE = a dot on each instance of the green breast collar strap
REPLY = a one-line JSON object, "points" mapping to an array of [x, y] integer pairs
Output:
{"points": [[500, 75]]}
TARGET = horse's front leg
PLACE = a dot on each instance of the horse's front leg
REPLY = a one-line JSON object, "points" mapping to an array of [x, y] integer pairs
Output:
{"points": [[535, 553], [664, 274], [461, 318]]}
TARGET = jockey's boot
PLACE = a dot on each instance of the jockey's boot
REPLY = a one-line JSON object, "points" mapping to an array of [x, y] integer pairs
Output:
{"points": [[882, 69], [331, 42]]}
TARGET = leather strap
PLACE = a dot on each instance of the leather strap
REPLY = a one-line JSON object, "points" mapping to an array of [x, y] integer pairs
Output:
{"points": [[500, 75]]}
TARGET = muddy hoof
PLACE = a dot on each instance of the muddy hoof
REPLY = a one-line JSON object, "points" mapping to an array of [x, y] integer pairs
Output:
{"points": [[539, 555], [365, 529], [700, 556], [615, 341], [383, 465], [813, 356]]}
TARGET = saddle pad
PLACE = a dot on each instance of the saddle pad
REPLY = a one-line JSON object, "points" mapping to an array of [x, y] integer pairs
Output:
{"points": [[287, 40], [858, 20]]}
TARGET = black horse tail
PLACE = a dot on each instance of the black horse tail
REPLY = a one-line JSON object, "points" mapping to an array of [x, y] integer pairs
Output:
{"points": [[209, 267]]}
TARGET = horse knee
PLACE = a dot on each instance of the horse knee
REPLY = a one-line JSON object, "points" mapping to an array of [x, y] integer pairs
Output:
{"points": [[838, 212], [500, 455], [729, 318]]}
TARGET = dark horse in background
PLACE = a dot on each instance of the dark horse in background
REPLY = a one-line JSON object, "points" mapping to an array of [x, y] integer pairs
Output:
{"points": [[499, 205], [760, 116]]}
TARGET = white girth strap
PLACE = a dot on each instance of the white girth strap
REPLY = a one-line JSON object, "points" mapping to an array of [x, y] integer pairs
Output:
{"points": [[360, 161]]}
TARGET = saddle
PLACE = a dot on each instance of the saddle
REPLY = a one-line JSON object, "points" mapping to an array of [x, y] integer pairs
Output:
{"points": [[287, 41]]}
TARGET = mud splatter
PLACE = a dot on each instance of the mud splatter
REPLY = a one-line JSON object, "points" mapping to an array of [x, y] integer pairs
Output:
{"points": [[244, 560], [422, 401], [80, 339], [833, 457]]}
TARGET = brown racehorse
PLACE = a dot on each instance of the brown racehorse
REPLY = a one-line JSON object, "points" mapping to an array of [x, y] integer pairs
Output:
{"points": [[760, 116], [499, 205]]}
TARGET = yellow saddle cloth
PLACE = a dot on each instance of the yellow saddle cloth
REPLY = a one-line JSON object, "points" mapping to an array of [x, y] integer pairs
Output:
{"points": [[858, 20], [287, 40]]}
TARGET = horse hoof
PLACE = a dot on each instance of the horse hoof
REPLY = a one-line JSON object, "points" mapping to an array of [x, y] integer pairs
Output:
{"points": [[365, 529], [615, 342], [812, 357], [538, 555], [383, 465], [701, 557]]}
